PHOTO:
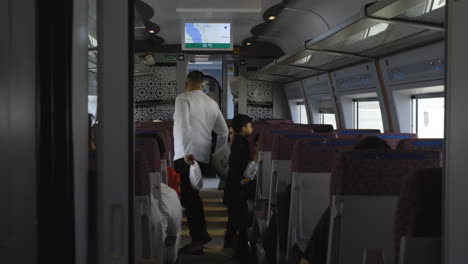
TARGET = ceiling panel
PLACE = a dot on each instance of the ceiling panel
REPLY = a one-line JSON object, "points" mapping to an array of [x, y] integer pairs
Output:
{"points": [[226, 6]]}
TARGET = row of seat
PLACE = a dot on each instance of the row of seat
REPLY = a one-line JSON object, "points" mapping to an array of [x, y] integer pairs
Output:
{"points": [[151, 241], [308, 168]]}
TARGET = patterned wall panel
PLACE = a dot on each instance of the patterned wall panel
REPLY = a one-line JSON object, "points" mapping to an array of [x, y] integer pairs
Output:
{"points": [[157, 91], [260, 92], [259, 100], [259, 112], [158, 112]]}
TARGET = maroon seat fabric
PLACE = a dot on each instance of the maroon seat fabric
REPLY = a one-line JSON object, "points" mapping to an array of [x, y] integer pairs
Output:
{"points": [[283, 145], [142, 180], [279, 121], [150, 148], [378, 172], [165, 136], [419, 209], [267, 134], [317, 128], [353, 133], [392, 139], [422, 144], [311, 155]]}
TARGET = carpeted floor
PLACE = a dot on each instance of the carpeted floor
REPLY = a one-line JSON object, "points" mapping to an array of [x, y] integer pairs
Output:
{"points": [[216, 217]]}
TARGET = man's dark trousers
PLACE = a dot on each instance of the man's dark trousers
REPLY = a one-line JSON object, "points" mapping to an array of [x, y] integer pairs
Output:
{"points": [[190, 199]]}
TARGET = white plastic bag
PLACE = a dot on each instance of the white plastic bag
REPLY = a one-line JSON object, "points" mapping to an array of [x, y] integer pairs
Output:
{"points": [[251, 170], [220, 161], [196, 178]]}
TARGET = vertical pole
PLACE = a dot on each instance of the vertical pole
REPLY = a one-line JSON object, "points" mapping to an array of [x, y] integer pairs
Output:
{"points": [[386, 113], [306, 101], [113, 131], [456, 128], [339, 117]]}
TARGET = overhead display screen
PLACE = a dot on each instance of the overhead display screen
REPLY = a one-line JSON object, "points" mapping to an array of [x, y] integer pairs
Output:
{"points": [[207, 36]]}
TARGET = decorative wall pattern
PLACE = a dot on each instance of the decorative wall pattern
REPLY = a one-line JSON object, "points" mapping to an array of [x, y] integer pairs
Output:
{"points": [[158, 112], [259, 112], [157, 91], [259, 100], [260, 92]]}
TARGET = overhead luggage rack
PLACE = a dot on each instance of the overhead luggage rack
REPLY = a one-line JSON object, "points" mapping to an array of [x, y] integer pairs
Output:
{"points": [[269, 77], [381, 29], [429, 12]]}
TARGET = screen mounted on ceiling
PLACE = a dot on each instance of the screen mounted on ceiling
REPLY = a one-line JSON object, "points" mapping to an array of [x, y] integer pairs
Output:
{"points": [[207, 36]]}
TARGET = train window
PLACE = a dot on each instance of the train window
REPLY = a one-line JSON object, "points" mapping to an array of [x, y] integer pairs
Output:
{"points": [[434, 4], [375, 30], [428, 116], [302, 113], [367, 114], [328, 118]]}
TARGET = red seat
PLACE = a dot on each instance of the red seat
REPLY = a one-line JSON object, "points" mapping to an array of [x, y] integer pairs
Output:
{"points": [[353, 133], [142, 179], [421, 144], [267, 135], [164, 134], [317, 156], [150, 148], [283, 145], [378, 172], [279, 121], [317, 128]]}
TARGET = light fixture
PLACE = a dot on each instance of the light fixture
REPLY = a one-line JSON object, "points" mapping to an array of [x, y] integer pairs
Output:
{"points": [[271, 18], [248, 43], [151, 31]]}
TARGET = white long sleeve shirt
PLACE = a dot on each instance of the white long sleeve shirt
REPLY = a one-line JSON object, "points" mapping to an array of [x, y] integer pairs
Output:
{"points": [[196, 116]]}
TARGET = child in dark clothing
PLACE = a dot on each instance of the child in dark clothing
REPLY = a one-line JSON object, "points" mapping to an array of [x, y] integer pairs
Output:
{"points": [[233, 191]]}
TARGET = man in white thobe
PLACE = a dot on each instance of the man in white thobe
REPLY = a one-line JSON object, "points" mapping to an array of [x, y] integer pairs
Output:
{"points": [[196, 117]]}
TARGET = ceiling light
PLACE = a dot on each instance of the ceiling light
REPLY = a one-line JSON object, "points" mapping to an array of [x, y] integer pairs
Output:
{"points": [[151, 31], [248, 43], [271, 18]]}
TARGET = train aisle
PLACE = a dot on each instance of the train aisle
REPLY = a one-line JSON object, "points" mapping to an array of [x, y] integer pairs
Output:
{"points": [[216, 218]]}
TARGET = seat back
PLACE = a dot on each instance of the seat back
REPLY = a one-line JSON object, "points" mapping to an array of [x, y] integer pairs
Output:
{"points": [[353, 133], [435, 144], [365, 186], [162, 133], [150, 148], [266, 146], [419, 208], [393, 139], [279, 121], [142, 179], [317, 128], [312, 163], [168, 145], [281, 163]]}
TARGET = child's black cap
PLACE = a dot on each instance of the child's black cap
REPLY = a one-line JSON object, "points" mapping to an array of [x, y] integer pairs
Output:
{"points": [[240, 121]]}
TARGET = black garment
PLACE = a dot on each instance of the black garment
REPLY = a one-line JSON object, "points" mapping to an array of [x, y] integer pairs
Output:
{"points": [[236, 200], [238, 161], [275, 236], [316, 251], [190, 199]]}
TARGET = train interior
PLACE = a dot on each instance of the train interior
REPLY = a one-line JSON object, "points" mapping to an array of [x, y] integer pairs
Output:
{"points": [[317, 78]]}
